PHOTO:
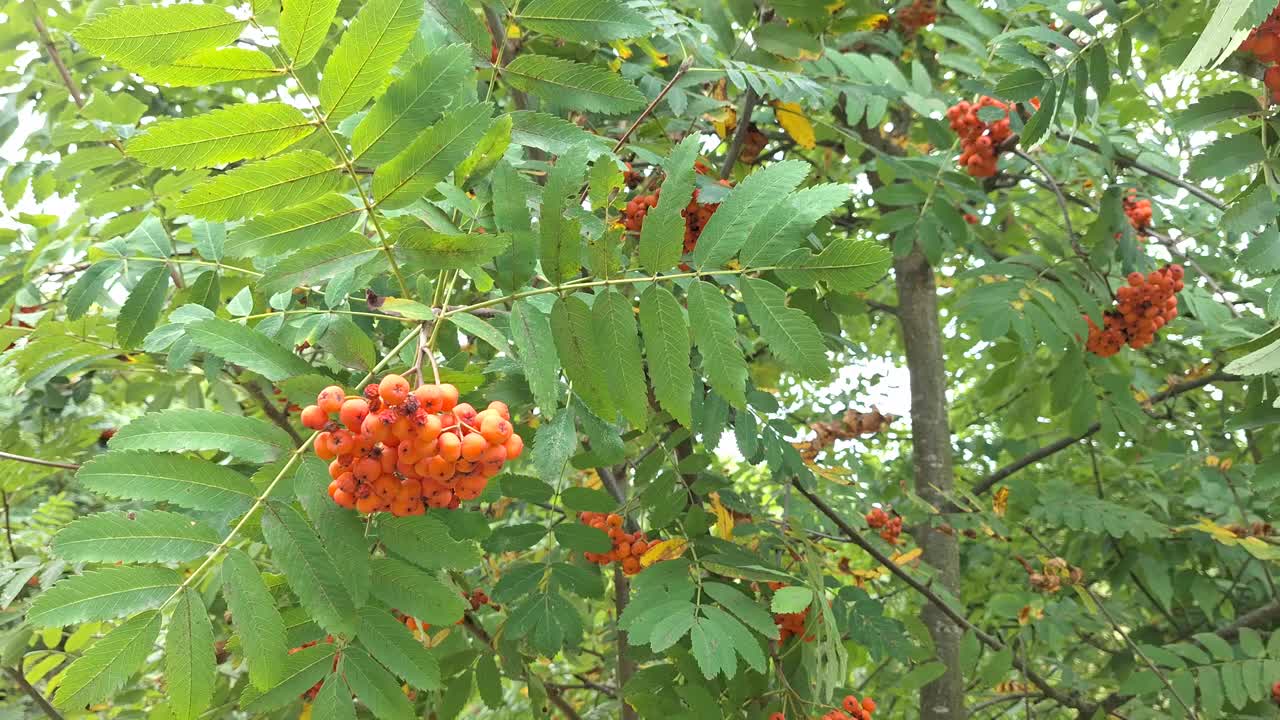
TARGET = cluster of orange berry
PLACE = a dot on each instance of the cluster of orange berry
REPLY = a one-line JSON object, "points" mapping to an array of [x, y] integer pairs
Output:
{"points": [[627, 547], [311, 692], [401, 450], [917, 15], [1138, 210], [696, 215], [1143, 306], [1264, 44], [890, 527], [980, 140], [851, 710]]}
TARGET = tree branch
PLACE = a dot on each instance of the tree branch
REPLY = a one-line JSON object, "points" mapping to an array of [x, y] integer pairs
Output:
{"points": [[1125, 161], [749, 100], [273, 413], [8, 530], [34, 694], [1059, 445]]}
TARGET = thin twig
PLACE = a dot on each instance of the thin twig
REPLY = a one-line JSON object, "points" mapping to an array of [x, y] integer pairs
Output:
{"points": [[8, 529], [749, 100], [272, 412], [1125, 161], [37, 461]]}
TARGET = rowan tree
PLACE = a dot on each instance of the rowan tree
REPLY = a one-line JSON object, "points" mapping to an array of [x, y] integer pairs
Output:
{"points": [[639, 359]]}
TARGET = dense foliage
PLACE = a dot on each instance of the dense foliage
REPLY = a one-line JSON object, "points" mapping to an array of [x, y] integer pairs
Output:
{"points": [[640, 358]]}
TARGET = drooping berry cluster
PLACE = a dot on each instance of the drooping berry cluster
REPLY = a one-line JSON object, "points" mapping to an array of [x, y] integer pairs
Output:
{"points": [[696, 215], [311, 692], [790, 624], [1143, 306], [1138, 210], [890, 527], [980, 140], [401, 451], [850, 425], [637, 207], [919, 14], [627, 547], [851, 709], [1264, 44]]}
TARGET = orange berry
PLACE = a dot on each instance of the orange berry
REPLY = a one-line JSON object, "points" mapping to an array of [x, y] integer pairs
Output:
{"points": [[514, 446], [366, 469], [375, 427], [386, 487], [333, 487], [346, 482], [473, 446], [393, 389], [344, 499], [450, 446], [430, 398], [353, 413], [430, 429], [448, 397], [324, 446], [501, 408], [314, 418], [330, 399], [466, 415], [367, 504], [495, 429]]}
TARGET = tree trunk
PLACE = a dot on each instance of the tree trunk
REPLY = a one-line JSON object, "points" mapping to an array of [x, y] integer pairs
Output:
{"points": [[942, 699]]}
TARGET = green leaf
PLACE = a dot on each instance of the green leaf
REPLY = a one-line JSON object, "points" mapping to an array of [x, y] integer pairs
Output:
{"points": [[359, 65], [430, 158], [374, 686], [411, 103], [255, 618], [577, 536], [568, 84], [666, 347], [102, 595], [788, 332], [662, 235], [672, 627], [247, 348], [318, 262], [580, 355], [592, 22], [298, 672], [1210, 690], [1227, 156], [922, 675], [181, 430], [427, 250], [1020, 85], [744, 608], [212, 66], [712, 649], [581, 498], [742, 640], [233, 133], [137, 536], [161, 477], [553, 134], [846, 265], [1037, 128], [333, 702], [1099, 72], [531, 332], [561, 250], [141, 311], [142, 35], [317, 222], [341, 532], [277, 182], [391, 643], [303, 26], [511, 192], [1219, 38], [1258, 362], [188, 658], [89, 287], [548, 620], [478, 328], [425, 542], [309, 569], [107, 665], [463, 21], [791, 599], [784, 228], [415, 592], [726, 232], [717, 340], [1213, 109], [489, 682], [553, 444], [614, 323]]}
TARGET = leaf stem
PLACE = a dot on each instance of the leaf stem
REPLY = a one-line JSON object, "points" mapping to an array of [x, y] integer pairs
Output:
{"points": [[38, 461]]}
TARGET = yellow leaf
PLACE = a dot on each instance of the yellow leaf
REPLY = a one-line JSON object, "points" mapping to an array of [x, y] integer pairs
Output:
{"points": [[659, 58], [724, 121], [593, 480], [907, 557], [791, 118], [1211, 461], [513, 31], [866, 574], [878, 21], [623, 49], [306, 712], [1000, 502], [668, 549], [724, 518]]}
